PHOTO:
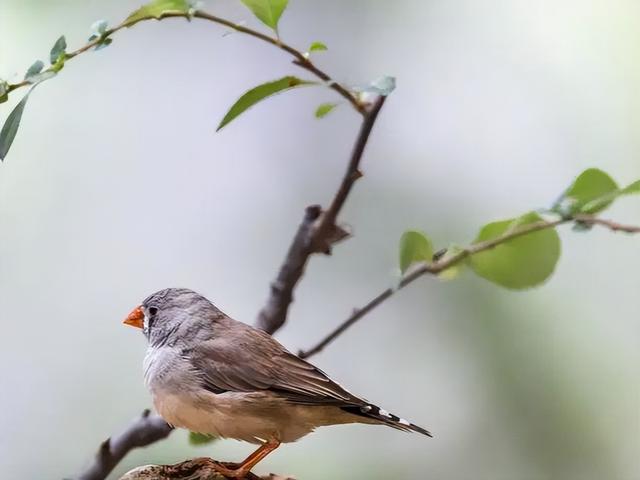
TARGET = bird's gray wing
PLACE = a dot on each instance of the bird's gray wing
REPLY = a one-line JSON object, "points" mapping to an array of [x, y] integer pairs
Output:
{"points": [[250, 360]]}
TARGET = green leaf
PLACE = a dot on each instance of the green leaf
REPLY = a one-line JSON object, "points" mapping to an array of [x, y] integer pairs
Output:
{"points": [[325, 109], [591, 192], [414, 247], [58, 50], [99, 32], [99, 27], [59, 65], [318, 47], [10, 127], [34, 70], [600, 203], [267, 11], [259, 93], [158, 9], [200, 438], [103, 44], [381, 86], [522, 262]]}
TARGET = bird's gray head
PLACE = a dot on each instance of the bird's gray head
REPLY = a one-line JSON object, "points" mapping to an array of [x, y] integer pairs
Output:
{"points": [[163, 313]]}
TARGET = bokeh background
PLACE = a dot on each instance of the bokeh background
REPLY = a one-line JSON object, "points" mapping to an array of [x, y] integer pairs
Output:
{"points": [[117, 186]]}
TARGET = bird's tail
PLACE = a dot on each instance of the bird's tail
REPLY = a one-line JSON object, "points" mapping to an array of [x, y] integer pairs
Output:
{"points": [[376, 413]]}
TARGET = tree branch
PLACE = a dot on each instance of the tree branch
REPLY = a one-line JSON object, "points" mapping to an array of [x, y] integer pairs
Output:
{"points": [[274, 313], [300, 59], [317, 232], [442, 263], [143, 431]]}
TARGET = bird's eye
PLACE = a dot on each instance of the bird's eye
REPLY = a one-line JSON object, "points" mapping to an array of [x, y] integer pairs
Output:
{"points": [[153, 311]]}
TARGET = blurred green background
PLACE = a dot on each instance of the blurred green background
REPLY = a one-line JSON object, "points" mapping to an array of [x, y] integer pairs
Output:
{"points": [[117, 186]]}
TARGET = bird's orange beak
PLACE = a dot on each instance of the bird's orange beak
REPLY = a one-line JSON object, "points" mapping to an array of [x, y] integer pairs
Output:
{"points": [[135, 318]]}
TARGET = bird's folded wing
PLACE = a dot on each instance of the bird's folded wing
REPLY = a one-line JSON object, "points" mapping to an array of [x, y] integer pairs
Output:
{"points": [[262, 364]]}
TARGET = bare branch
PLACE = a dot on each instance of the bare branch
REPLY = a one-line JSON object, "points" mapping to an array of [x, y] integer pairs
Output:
{"points": [[317, 233], [274, 313], [353, 173], [143, 431]]}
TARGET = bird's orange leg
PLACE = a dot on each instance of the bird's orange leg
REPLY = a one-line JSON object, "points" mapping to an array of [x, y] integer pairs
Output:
{"points": [[248, 463]]}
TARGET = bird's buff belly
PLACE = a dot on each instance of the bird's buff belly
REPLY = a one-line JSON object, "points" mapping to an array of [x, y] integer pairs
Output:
{"points": [[251, 417]]}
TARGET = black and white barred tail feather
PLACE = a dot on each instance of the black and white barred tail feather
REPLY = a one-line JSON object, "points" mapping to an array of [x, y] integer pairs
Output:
{"points": [[377, 413]]}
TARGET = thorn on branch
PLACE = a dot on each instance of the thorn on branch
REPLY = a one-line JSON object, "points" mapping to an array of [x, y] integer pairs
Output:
{"points": [[439, 254], [105, 449]]}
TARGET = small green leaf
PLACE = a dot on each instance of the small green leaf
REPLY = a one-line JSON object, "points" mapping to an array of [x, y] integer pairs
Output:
{"points": [[325, 109], [594, 187], [601, 202], [58, 65], [259, 93], [103, 44], [267, 11], [414, 247], [158, 9], [522, 262], [98, 32], [318, 47], [99, 27], [200, 438], [34, 70], [58, 50], [10, 127], [381, 86]]}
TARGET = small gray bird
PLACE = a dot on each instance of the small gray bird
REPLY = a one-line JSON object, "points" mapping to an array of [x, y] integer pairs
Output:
{"points": [[211, 374]]}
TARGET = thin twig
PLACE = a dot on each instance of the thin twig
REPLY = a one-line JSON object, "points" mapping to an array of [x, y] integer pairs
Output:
{"points": [[352, 174], [442, 263], [611, 225], [300, 59]]}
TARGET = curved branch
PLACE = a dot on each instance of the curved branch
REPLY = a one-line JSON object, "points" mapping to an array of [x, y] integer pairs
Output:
{"points": [[300, 59], [442, 263]]}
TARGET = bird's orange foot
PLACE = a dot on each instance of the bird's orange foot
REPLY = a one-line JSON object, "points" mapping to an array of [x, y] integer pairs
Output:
{"points": [[243, 470], [230, 470]]}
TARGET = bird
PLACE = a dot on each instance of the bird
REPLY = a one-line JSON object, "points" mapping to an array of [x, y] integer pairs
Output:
{"points": [[214, 375]]}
